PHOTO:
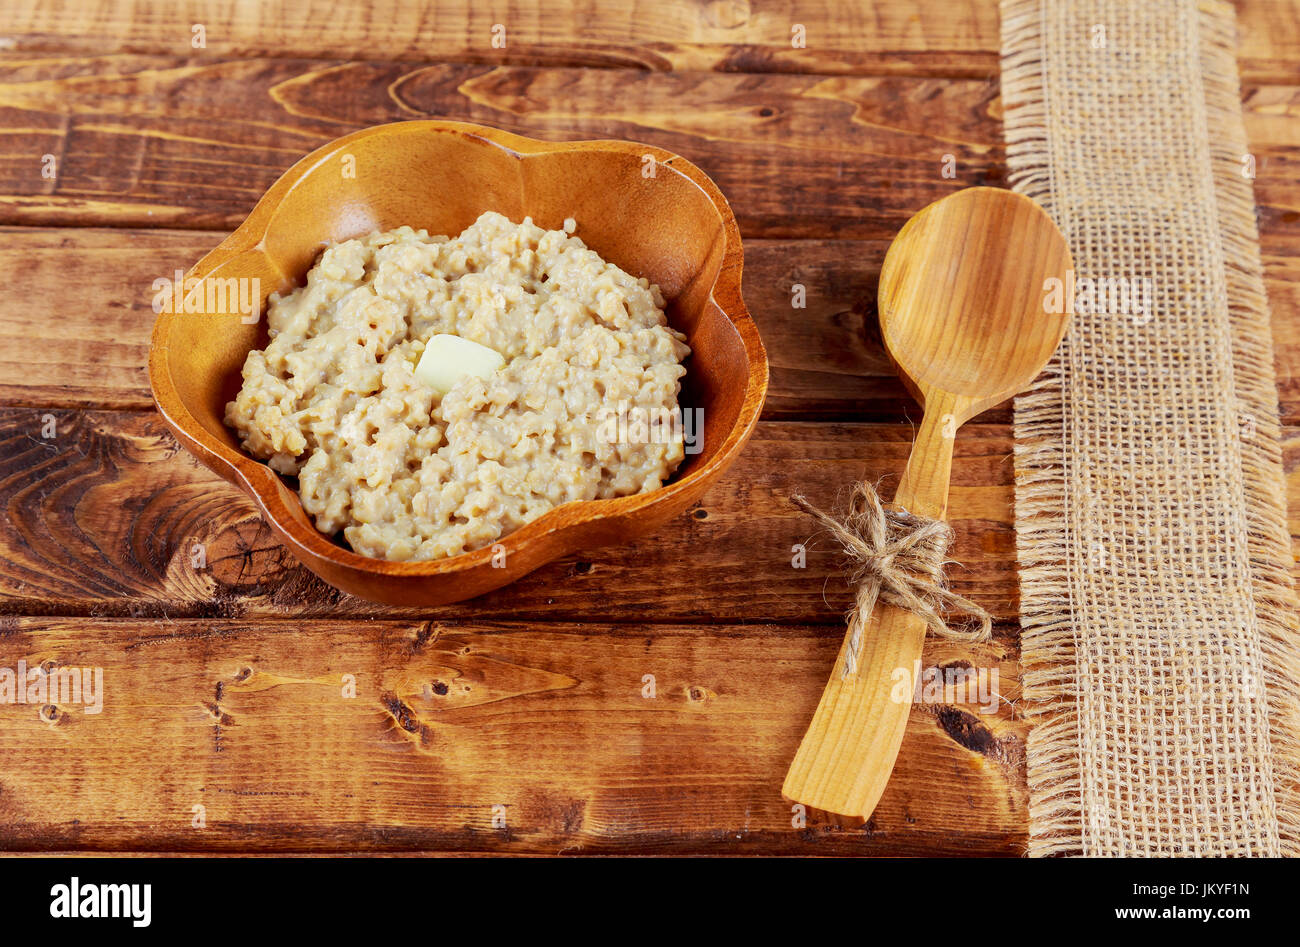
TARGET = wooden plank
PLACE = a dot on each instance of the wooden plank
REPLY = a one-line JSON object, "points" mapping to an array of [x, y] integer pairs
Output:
{"points": [[146, 141], [78, 335], [866, 37], [104, 516], [888, 36], [249, 721], [103, 519], [85, 309]]}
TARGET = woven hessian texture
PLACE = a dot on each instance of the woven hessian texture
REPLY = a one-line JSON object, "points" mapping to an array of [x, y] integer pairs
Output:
{"points": [[1159, 622]]}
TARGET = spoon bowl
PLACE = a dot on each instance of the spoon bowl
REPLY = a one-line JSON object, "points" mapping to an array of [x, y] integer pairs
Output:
{"points": [[964, 294]]}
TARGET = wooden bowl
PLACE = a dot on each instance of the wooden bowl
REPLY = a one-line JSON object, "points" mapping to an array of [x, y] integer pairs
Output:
{"points": [[649, 211]]}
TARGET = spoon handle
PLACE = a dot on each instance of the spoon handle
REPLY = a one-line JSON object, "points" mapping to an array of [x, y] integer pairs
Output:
{"points": [[847, 754]]}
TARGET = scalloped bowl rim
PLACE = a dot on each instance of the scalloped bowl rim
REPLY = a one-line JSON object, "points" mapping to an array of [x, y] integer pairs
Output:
{"points": [[264, 486]]}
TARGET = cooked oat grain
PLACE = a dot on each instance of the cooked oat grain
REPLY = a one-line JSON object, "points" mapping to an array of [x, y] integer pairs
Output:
{"points": [[406, 475]]}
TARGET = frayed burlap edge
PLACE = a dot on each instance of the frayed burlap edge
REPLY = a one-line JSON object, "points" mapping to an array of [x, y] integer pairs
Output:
{"points": [[1050, 678], [1256, 390]]}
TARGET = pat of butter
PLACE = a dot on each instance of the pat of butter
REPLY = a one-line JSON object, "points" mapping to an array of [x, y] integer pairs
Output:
{"points": [[449, 358]]}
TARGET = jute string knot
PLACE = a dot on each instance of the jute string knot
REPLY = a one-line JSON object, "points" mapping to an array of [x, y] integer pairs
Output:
{"points": [[897, 558]]}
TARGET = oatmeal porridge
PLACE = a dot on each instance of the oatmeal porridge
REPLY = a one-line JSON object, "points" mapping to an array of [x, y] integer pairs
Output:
{"points": [[433, 395]]}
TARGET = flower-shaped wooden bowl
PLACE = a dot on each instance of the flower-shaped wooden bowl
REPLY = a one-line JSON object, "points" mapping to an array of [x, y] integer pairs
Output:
{"points": [[646, 210]]}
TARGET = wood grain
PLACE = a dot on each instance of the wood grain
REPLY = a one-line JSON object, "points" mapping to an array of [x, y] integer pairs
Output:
{"points": [[929, 37], [152, 141], [103, 518], [249, 721], [86, 294], [148, 141], [224, 713], [727, 36], [221, 681]]}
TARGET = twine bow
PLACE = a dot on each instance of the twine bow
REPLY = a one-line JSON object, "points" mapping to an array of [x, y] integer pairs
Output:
{"points": [[898, 558]]}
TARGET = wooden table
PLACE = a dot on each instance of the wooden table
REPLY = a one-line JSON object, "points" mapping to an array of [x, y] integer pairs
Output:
{"points": [[518, 722]]}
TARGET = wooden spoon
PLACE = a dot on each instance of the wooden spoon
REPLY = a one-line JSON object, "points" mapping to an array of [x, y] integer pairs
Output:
{"points": [[963, 312]]}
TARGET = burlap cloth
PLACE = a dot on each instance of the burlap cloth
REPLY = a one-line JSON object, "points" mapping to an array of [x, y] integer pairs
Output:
{"points": [[1162, 670]]}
